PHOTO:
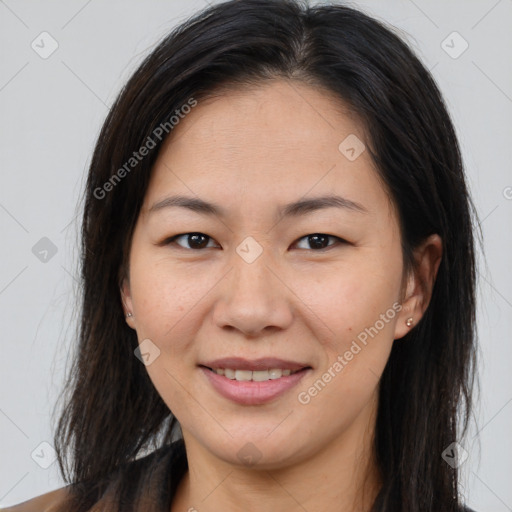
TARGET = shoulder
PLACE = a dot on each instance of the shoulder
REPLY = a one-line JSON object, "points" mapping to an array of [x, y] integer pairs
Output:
{"points": [[158, 472], [47, 502]]}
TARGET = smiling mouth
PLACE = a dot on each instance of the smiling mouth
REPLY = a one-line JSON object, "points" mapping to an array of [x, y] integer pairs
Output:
{"points": [[256, 375]]}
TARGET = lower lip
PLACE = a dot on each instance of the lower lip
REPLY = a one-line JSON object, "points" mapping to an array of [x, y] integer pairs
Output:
{"points": [[249, 392]]}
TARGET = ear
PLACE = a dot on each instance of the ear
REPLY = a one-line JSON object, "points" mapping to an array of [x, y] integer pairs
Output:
{"points": [[419, 285], [126, 299]]}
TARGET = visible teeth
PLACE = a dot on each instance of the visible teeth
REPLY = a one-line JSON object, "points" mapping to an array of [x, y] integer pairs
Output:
{"points": [[260, 375], [243, 375], [257, 375], [275, 373], [230, 374]]}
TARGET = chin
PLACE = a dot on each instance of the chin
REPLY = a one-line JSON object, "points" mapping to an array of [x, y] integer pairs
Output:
{"points": [[258, 451]]}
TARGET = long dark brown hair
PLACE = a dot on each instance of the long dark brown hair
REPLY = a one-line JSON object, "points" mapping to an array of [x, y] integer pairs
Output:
{"points": [[112, 413]]}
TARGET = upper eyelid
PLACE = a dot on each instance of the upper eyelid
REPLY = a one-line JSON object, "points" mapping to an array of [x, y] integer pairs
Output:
{"points": [[173, 238]]}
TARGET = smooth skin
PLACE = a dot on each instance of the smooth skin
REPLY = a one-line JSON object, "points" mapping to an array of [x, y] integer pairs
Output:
{"points": [[252, 151]]}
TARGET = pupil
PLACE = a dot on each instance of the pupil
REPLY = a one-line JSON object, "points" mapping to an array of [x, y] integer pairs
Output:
{"points": [[195, 240], [318, 241]]}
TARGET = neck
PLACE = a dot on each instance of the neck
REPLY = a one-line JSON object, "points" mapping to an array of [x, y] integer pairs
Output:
{"points": [[343, 475]]}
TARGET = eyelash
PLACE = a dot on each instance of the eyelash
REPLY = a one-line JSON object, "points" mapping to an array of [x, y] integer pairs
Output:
{"points": [[172, 240]]}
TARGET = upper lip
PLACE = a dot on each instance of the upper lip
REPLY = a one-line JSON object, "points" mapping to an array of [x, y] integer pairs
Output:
{"points": [[264, 363]]}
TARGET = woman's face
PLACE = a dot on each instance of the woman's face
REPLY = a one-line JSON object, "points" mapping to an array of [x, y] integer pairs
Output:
{"points": [[272, 273]]}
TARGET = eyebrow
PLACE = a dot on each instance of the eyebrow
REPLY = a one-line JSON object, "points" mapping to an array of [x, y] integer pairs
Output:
{"points": [[295, 209]]}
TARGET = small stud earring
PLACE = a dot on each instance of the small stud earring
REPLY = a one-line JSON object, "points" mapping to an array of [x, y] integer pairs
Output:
{"points": [[128, 315], [409, 322]]}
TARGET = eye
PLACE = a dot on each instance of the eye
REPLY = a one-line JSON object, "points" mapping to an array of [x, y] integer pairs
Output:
{"points": [[196, 241], [319, 241]]}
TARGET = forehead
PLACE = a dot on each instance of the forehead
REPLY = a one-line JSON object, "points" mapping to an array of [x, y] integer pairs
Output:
{"points": [[279, 139], [276, 115]]}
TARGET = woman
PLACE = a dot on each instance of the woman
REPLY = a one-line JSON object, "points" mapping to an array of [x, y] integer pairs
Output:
{"points": [[278, 277]]}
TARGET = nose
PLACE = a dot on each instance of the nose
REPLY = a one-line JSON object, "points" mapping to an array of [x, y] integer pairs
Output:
{"points": [[253, 299]]}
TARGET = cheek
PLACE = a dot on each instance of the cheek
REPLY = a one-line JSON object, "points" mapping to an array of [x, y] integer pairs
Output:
{"points": [[362, 314], [168, 300], [359, 305], [353, 296]]}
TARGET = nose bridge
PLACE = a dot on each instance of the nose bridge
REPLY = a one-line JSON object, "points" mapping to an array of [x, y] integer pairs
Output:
{"points": [[251, 260], [252, 278], [253, 298]]}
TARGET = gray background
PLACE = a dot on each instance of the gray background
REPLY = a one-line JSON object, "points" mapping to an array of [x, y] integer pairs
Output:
{"points": [[51, 113]]}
